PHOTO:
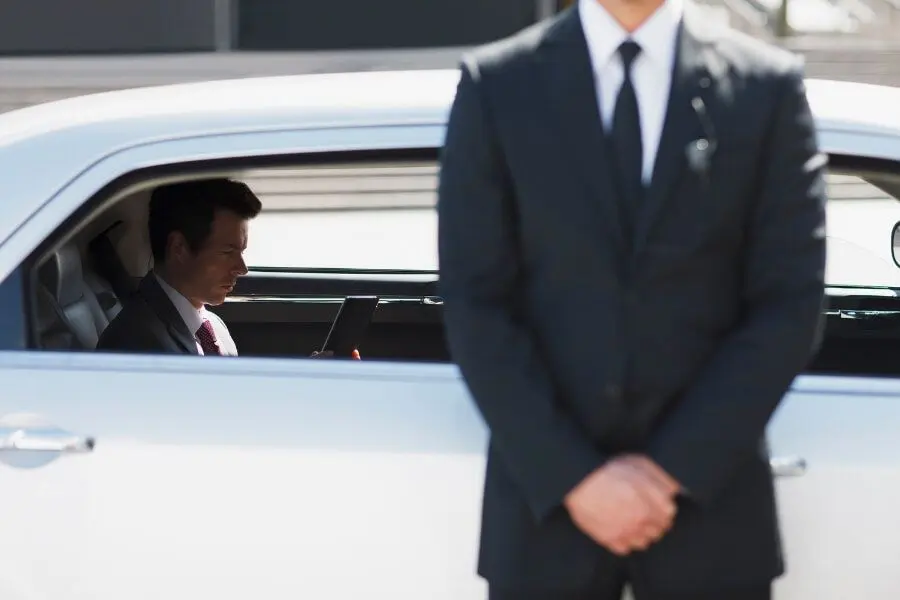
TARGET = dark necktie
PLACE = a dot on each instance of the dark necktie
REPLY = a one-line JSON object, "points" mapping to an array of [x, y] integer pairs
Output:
{"points": [[627, 145], [207, 338]]}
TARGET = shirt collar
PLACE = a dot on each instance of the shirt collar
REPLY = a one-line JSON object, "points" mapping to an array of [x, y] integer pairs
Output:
{"points": [[656, 36], [192, 316]]}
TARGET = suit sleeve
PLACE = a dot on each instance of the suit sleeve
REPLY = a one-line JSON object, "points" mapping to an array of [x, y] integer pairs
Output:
{"points": [[727, 409], [481, 284], [122, 340]]}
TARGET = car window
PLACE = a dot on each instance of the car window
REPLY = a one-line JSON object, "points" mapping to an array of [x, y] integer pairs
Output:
{"points": [[861, 216], [366, 216], [381, 216]]}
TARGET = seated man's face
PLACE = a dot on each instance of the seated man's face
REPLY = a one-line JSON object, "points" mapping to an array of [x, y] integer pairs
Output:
{"points": [[211, 272]]}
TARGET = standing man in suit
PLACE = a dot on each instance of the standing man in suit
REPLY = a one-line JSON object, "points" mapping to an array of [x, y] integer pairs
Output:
{"points": [[198, 234], [631, 241]]}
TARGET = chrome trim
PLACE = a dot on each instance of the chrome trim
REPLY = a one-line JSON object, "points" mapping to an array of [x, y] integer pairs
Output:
{"points": [[24, 440], [788, 466]]}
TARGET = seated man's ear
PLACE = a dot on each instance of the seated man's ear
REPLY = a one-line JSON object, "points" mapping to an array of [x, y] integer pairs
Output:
{"points": [[177, 247]]}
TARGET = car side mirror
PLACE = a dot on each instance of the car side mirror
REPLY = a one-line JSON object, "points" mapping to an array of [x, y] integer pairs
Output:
{"points": [[895, 243]]}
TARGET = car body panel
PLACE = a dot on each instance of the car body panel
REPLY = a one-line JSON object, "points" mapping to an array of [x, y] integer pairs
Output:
{"points": [[215, 488], [839, 519], [859, 108], [342, 480], [289, 478]]}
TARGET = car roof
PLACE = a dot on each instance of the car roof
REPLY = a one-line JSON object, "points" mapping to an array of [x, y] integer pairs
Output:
{"points": [[852, 106], [46, 146], [362, 98], [266, 102]]}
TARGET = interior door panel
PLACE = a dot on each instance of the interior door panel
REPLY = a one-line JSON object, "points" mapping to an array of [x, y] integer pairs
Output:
{"points": [[289, 314], [862, 336]]}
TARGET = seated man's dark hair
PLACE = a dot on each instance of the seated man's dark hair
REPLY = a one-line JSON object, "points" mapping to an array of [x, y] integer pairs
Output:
{"points": [[190, 207]]}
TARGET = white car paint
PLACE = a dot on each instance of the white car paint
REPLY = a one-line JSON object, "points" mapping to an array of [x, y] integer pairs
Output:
{"points": [[243, 478], [236, 478]]}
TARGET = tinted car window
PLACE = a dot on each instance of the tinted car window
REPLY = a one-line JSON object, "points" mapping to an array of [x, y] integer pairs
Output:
{"points": [[861, 216], [381, 216]]}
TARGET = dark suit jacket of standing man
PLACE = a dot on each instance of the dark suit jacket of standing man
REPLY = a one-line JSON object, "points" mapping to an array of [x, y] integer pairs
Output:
{"points": [[150, 322], [577, 346]]}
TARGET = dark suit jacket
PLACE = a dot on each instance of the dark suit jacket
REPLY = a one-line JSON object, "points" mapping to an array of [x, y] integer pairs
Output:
{"points": [[577, 347], [149, 322]]}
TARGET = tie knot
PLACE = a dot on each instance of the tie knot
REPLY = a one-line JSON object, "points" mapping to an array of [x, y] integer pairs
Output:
{"points": [[206, 329], [629, 51]]}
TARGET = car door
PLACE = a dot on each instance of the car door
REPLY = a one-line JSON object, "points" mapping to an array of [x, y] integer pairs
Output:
{"points": [[835, 440], [43, 504], [837, 446], [146, 477], [237, 478]]}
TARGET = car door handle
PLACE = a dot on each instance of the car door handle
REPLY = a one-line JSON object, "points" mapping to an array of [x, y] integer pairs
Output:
{"points": [[788, 466], [24, 440]]}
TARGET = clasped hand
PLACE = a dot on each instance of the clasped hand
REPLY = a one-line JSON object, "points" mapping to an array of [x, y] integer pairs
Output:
{"points": [[625, 505]]}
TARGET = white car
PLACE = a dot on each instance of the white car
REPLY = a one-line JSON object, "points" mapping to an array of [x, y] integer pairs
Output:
{"points": [[144, 477]]}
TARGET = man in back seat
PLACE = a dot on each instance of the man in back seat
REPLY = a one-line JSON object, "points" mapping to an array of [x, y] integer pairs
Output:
{"points": [[198, 234]]}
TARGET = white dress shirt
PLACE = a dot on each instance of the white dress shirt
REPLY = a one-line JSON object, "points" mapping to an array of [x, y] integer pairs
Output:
{"points": [[194, 317], [651, 72]]}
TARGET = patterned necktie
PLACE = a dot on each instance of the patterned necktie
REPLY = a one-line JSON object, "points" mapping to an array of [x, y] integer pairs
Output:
{"points": [[207, 338], [626, 141]]}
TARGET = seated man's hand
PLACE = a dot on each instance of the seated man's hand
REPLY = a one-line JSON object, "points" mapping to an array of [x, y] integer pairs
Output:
{"points": [[330, 354], [624, 505]]}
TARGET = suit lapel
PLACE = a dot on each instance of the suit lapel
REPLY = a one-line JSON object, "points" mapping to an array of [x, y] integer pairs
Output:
{"points": [[694, 73], [566, 68], [157, 300]]}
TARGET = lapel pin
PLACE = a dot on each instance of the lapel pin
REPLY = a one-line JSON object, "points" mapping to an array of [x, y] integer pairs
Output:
{"points": [[698, 155]]}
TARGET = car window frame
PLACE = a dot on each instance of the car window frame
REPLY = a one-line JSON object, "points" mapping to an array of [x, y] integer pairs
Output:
{"points": [[109, 180], [15, 316]]}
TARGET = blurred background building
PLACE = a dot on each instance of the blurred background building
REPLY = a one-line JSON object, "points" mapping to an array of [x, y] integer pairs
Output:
{"points": [[56, 48], [117, 26]]}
